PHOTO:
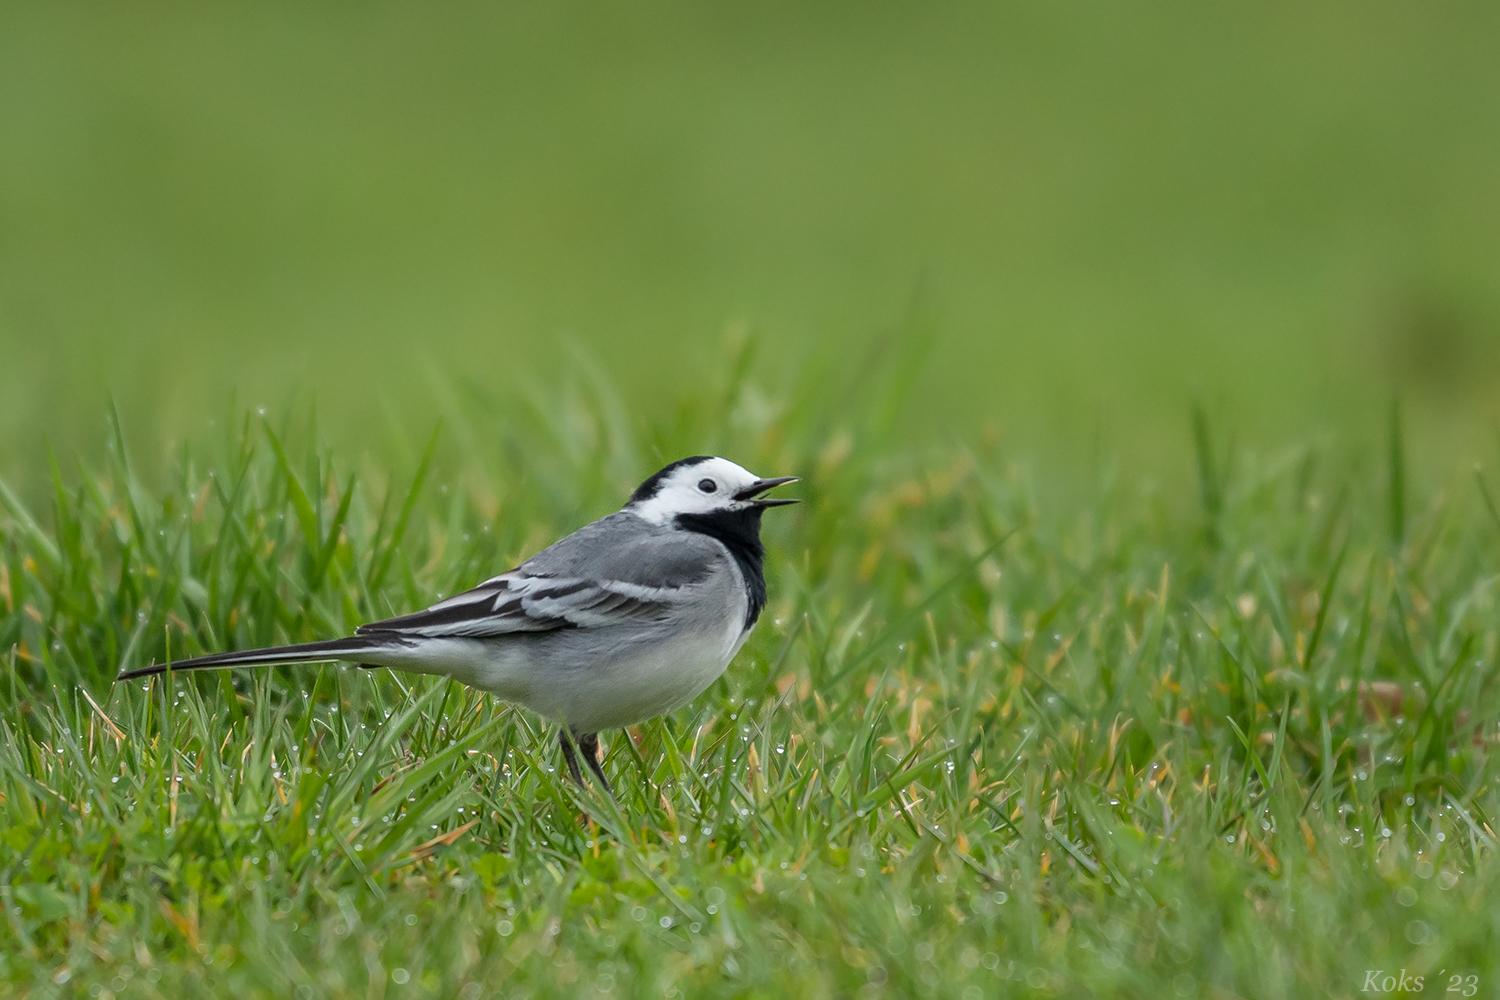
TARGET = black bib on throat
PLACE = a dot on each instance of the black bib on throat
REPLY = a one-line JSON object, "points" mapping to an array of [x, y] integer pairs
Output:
{"points": [[739, 530]]}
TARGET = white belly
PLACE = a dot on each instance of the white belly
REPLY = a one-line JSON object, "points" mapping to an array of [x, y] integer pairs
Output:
{"points": [[639, 685], [591, 679]]}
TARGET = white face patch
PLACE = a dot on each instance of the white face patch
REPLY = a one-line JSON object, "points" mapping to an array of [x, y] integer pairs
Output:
{"points": [[697, 489]]}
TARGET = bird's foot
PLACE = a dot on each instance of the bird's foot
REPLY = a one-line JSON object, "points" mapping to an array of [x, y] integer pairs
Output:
{"points": [[589, 744], [565, 738]]}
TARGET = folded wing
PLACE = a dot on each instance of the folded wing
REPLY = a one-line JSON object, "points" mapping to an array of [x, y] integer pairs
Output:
{"points": [[616, 570], [515, 602]]}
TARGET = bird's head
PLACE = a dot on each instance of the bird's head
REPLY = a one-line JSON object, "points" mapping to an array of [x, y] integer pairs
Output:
{"points": [[704, 485]]}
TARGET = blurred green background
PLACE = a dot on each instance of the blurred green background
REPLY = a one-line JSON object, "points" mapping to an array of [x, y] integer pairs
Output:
{"points": [[1098, 213]]}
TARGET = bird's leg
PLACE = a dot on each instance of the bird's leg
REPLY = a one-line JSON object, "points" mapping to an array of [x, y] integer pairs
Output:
{"points": [[589, 744], [565, 738]]}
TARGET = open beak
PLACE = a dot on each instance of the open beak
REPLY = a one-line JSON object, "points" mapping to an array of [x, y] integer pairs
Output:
{"points": [[752, 493]]}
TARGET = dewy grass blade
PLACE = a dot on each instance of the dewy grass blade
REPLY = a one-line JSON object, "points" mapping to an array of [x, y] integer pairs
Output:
{"points": [[1325, 598], [307, 518], [1252, 757], [41, 542], [330, 544], [914, 613], [381, 567], [1210, 487], [374, 754], [1280, 742]]}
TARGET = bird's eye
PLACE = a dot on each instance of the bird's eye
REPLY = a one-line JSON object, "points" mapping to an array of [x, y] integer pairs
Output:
{"points": [[707, 485]]}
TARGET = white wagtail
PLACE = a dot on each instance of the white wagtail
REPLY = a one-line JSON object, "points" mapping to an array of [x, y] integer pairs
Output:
{"points": [[623, 620]]}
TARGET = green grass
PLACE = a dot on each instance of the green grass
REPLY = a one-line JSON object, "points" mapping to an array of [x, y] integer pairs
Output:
{"points": [[980, 744]]}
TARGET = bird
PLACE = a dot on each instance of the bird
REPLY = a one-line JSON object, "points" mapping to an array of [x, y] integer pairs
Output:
{"points": [[629, 617]]}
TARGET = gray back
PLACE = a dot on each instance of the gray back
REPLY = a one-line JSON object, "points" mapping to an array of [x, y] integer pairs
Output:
{"points": [[630, 549]]}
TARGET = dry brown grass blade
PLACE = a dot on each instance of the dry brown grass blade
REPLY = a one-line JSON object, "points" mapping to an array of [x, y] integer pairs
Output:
{"points": [[426, 850], [109, 723]]}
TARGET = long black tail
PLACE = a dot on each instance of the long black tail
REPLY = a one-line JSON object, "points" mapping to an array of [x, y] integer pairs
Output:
{"points": [[353, 648]]}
